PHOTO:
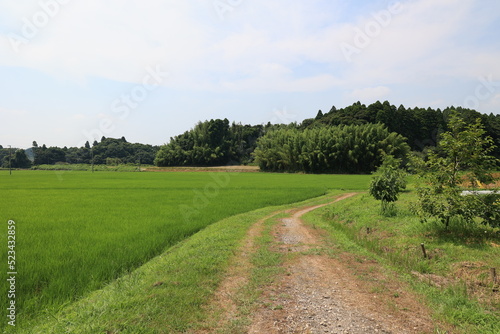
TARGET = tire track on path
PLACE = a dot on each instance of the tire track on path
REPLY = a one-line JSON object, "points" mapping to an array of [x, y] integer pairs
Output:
{"points": [[318, 293]]}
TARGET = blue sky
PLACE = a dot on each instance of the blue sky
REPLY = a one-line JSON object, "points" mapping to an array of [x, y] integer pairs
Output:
{"points": [[72, 70]]}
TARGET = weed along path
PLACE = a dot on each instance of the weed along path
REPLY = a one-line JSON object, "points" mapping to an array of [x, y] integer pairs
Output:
{"points": [[289, 278]]}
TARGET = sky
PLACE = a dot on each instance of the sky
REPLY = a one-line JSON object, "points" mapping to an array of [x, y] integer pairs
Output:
{"points": [[73, 70]]}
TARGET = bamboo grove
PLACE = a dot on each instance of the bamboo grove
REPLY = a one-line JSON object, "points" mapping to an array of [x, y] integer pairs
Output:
{"points": [[337, 149]]}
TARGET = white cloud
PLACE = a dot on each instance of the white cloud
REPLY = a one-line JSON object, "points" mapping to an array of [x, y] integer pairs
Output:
{"points": [[118, 39], [370, 94], [260, 46], [425, 37], [115, 39]]}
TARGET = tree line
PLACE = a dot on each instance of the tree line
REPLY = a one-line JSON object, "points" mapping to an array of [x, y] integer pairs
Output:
{"points": [[219, 142], [13, 157], [422, 127], [275, 147], [212, 143], [109, 151]]}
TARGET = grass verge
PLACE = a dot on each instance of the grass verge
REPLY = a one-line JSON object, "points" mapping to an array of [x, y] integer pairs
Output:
{"points": [[266, 265], [88, 168]]}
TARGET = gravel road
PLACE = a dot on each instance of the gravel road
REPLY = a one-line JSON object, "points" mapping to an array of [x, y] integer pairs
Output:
{"points": [[319, 294]]}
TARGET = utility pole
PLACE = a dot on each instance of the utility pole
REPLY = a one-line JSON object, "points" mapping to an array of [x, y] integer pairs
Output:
{"points": [[10, 160], [92, 157]]}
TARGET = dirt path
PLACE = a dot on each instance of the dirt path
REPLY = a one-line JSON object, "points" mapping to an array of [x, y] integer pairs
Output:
{"points": [[320, 293]]}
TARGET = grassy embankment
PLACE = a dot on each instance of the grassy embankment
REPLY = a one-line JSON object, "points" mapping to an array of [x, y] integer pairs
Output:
{"points": [[78, 231], [455, 278]]}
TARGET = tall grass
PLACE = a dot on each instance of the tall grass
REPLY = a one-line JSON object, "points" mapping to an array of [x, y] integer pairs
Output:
{"points": [[76, 231]]}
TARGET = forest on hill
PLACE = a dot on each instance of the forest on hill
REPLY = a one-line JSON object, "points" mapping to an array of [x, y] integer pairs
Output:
{"points": [[108, 151], [349, 139], [420, 126]]}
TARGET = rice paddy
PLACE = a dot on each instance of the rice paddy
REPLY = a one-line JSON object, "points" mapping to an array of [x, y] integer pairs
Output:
{"points": [[77, 231]]}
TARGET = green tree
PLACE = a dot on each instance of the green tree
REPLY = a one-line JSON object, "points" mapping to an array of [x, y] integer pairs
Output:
{"points": [[21, 160], [387, 183], [319, 115], [209, 143], [40, 155], [462, 158], [17, 160]]}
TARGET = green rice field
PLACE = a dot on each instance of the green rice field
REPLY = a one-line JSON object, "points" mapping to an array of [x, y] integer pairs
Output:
{"points": [[77, 231]]}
